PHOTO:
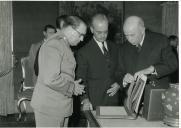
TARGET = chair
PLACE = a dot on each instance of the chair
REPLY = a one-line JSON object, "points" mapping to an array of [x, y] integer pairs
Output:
{"points": [[26, 88]]}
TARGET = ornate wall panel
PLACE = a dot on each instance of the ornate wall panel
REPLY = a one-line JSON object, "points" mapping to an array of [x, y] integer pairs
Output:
{"points": [[170, 18], [86, 9]]}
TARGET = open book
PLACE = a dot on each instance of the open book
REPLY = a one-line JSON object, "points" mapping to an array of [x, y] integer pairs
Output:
{"points": [[131, 103]]}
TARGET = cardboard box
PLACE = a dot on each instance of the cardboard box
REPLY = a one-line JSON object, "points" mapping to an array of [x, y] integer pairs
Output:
{"points": [[110, 111]]}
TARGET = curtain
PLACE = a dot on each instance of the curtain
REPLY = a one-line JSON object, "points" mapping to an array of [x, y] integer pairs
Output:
{"points": [[7, 105], [170, 18]]}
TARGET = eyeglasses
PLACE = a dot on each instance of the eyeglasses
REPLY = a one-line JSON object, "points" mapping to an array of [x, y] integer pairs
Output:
{"points": [[80, 34]]}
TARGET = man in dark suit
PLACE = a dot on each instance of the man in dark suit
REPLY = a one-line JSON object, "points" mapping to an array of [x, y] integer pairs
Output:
{"points": [[96, 66], [174, 77], [146, 53]]}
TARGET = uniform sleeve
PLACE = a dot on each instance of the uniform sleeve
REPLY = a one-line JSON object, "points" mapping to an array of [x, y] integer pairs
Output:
{"points": [[51, 59], [168, 61]]}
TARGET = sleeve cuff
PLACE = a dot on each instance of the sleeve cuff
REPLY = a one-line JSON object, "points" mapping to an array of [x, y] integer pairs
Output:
{"points": [[70, 90], [124, 84], [154, 72]]}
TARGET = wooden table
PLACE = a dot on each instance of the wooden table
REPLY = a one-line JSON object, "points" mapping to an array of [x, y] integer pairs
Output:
{"points": [[94, 121]]}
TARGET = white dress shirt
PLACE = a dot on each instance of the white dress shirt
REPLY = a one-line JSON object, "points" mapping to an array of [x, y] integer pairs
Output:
{"points": [[100, 44], [141, 43]]}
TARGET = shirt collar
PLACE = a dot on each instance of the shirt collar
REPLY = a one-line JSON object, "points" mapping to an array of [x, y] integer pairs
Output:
{"points": [[141, 43], [97, 41], [100, 43]]}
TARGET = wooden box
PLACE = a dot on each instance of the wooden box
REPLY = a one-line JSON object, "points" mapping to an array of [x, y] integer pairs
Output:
{"points": [[153, 109]]}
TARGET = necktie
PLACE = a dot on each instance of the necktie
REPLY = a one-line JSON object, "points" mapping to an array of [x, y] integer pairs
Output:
{"points": [[107, 56], [104, 49], [139, 47]]}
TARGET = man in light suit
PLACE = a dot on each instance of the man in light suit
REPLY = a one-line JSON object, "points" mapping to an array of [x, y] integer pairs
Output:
{"points": [[147, 53], [52, 97], [48, 31], [96, 65]]}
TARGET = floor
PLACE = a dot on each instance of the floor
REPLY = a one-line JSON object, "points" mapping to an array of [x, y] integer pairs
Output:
{"points": [[11, 121], [29, 121]]}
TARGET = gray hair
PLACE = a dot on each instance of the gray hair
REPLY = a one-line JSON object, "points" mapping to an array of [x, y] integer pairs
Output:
{"points": [[73, 21]]}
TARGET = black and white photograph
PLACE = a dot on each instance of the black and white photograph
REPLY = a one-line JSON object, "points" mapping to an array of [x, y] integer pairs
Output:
{"points": [[89, 63]]}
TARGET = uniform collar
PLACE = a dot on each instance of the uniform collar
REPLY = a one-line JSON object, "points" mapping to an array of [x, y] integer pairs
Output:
{"points": [[59, 35]]}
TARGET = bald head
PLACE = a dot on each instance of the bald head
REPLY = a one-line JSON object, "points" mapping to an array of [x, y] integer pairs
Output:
{"points": [[134, 29], [133, 21], [99, 27], [99, 19]]}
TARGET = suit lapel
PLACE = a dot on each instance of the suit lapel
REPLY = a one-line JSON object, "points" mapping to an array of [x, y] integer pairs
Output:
{"points": [[96, 49], [145, 52], [108, 46]]}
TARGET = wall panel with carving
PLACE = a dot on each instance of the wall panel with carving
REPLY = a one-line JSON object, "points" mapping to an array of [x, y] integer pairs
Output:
{"points": [[86, 9]]}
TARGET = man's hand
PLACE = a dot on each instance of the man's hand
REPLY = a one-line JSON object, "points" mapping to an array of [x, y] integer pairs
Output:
{"points": [[78, 89], [86, 105], [113, 90], [128, 78], [145, 71]]}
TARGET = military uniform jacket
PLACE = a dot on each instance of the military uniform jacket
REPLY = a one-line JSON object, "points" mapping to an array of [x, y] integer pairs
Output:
{"points": [[54, 88]]}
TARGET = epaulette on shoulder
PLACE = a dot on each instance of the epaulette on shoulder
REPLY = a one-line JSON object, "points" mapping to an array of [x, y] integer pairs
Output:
{"points": [[55, 37], [58, 37]]}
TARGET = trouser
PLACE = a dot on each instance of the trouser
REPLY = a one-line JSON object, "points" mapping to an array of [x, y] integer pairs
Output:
{"points": [[45, 120]]}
